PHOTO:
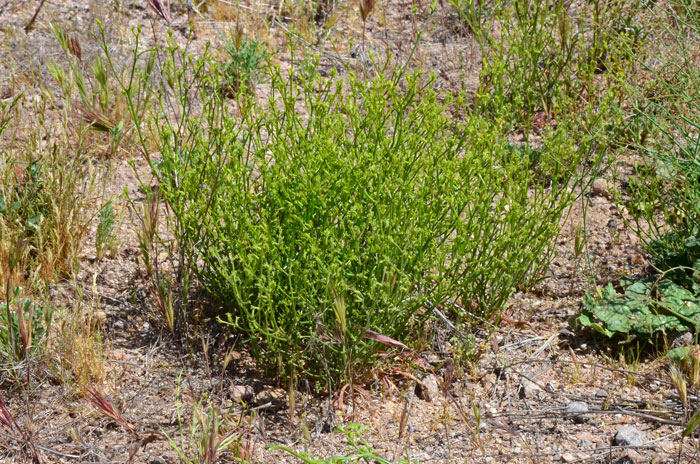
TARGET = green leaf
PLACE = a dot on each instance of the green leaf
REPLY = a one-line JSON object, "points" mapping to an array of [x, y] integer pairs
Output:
{"points": [[692, 424], [645, 309]]}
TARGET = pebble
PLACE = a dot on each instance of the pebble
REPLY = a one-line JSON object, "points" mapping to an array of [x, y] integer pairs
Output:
{"points": [[101, 316], [239, 393], [577, 411], [629, 436], [568, 457], [428, 388], [631, 456], [529, 389], [600, 187]]}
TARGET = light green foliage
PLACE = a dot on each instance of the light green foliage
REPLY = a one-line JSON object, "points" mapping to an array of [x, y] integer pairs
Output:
{"points": [[538, 57], [106, 240], [369, 192], [356, 194], [244, 60]]}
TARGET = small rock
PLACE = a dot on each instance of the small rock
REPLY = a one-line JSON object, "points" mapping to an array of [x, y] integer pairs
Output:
{"points": [[600, 187], [631, 456], [612, 224], [101, 316], [529, 389], [119, 355], [239, 393], [630, 436], [568, 457], [601, 393], [577, 411], [428, 388]]}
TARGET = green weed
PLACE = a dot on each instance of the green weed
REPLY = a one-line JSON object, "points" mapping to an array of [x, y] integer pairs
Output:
{"points": [[538, 59], [664, 195], [44, 199], [360, 450], [106, 240], [211, 435], [23, 326], [244, 62]]}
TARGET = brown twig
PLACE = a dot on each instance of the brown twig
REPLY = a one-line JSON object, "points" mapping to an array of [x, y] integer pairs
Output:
{"points": [[36, 13]]}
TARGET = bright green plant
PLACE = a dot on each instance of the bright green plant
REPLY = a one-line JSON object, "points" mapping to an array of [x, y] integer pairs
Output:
{"points": [[336, 210], [244, 61], [106, 239], [538, 58]]}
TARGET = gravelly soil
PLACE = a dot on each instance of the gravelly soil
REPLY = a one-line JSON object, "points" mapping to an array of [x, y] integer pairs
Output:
{"points": [[520, 387]]}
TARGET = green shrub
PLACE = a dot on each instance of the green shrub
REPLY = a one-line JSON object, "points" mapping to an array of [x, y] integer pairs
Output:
{"points": [[339, 209]]}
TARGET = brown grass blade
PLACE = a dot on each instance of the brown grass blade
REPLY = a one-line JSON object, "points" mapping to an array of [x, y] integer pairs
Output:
{"points": [[377, 337], [366, 7], [162, 9]]}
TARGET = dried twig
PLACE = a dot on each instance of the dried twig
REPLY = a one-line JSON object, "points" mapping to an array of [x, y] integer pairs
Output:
{"points": [[30, 24], [162, 9]]}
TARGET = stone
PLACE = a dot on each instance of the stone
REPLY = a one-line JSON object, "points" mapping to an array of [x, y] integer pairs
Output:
{"points": [[529, 389], [631, 456], [577, 410], [428, 388], [629, 436], [600, 187], [101, 316], [239, 393]]}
